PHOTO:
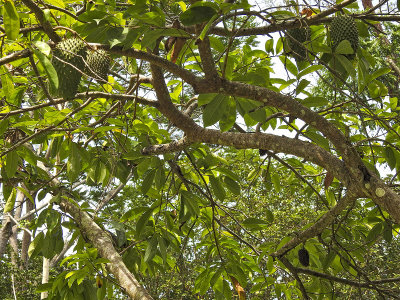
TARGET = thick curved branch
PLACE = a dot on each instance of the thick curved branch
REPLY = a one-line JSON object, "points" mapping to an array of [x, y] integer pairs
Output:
{"points": [[207, 59], [196, 133], [346, 171], [385, 197], [261, 94]]}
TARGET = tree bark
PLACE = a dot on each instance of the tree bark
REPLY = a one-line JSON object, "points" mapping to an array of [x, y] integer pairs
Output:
{"points": [[45, 276], [103, 243], [26, 239], [14, 230]]}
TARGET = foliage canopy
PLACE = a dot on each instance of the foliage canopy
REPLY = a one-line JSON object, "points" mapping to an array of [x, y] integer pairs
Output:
{"points": [[202, 147]]}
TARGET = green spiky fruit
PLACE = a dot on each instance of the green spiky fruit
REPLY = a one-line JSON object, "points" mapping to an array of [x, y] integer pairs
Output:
{"points": [[344, 28], [69, 62], [296, 37], [98, 64]]}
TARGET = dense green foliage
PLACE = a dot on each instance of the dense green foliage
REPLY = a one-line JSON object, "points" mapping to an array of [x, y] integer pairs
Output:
{"points": [[196, 149]]}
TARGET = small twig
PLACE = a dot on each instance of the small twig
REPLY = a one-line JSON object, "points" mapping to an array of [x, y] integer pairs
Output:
{"points": [[18, 224]]}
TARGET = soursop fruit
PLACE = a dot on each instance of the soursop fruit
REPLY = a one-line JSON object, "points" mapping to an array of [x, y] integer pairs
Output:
{"points": [[98, 64], [344, 28], [69, 62], [295, 37]]}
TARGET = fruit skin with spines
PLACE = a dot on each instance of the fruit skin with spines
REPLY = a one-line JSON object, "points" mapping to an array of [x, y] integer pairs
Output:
{"points": [[295, 38], [98, 64], [69, 62], [344, 28]]}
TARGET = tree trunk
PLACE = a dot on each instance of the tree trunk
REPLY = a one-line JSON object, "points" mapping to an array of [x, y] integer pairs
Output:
{"points": [[14, 231], [26, 239], [45, 276], [5, 233]]}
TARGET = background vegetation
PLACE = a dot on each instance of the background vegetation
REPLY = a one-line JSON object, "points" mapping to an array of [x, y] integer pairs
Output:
{"points": [[211, 155]]}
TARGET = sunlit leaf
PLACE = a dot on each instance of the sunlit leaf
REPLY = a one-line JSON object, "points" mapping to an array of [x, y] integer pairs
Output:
{"points": [[11, 20], [197, 15]]}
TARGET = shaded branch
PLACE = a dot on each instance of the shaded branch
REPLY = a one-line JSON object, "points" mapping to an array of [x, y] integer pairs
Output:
{"points": [[15, 56], [319, 225], [295, 274]]}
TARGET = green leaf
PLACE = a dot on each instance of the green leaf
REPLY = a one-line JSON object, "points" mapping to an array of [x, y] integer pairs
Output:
{"points": [[228, 117], [151, 249], [302, 85], [142, 222], [151, 36], [328, 259], [206, 98], [11, 20], [48, 246], [269, 46], [390, 157], [7, 83], [315, 101], [207, 27], [215, 109], [36, 246], [27, 154], [344, 47], [347, 65], [317, 138], [309, 70], [374, 232], [216, 44], [10, 201], [227, 290], [192, 202], [277, 182], [26, 193], [291, 67], [232, 185], [163, 248], [196, 15], [12, 163], [58, 3], [160, 178], [43, 47], [48, 68], [148, 181], [217, 187], [74, 162], [379, 72], [255, 224], [388, 231]]}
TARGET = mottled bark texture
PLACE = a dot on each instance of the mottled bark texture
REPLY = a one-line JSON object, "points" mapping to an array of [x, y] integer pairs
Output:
{"points": [[100, 239]]}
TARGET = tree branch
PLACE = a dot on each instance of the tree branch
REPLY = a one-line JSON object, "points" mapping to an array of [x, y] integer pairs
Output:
{"points": [[318, 226], [47, 28]]}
